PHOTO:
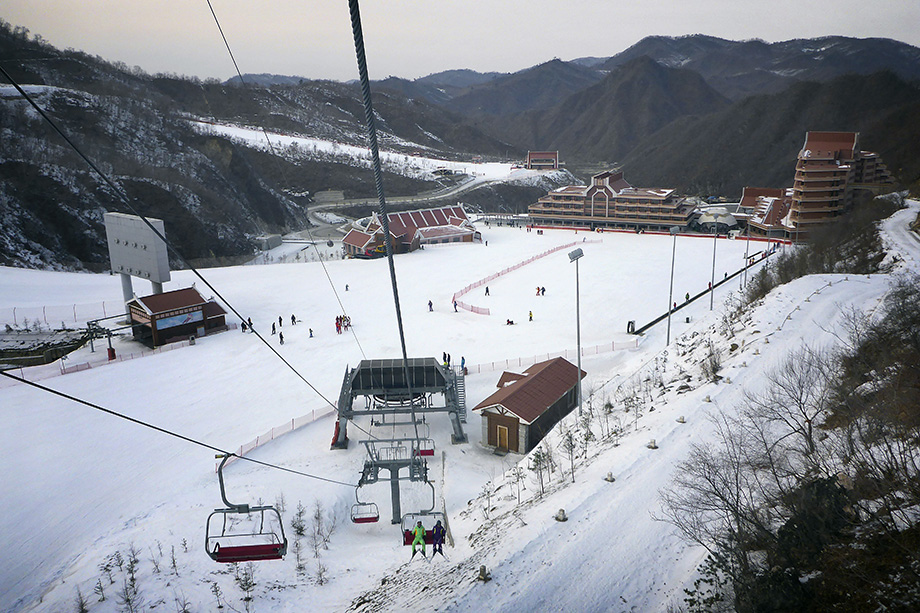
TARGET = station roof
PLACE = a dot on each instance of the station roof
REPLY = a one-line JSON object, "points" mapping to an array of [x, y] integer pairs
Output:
{"points": [[372, 377]]}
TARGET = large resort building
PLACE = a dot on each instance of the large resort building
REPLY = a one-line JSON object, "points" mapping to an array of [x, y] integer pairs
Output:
{"points": [[611, 203], [830, 169]]}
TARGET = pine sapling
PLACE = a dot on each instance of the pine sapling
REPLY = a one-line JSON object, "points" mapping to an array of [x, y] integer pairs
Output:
{"points": [[80, 604], [154, 560], [99, 590], [298, 523], [246, 580], [129, 597], [105, 567], [322, 573], [118, 560], [215, 589], [298, 557]]}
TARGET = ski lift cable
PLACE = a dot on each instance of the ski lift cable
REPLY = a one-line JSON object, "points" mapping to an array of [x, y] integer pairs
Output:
{"points": [[126, 200], [151, 426], [378, 183], [280, 168]]}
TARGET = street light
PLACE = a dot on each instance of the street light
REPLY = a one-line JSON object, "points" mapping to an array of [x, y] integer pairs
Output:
{"points": [[712, 282], [674, 230], [747, 248], [574, 256]]}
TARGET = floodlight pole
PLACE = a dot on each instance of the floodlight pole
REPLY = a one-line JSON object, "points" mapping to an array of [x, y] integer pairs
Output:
{"points": [[712, 282], [747, 248], [574, 256], [674, 230]]}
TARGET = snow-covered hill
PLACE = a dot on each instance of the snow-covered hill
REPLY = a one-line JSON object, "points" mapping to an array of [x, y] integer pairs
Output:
{"points": [[84, 485]]}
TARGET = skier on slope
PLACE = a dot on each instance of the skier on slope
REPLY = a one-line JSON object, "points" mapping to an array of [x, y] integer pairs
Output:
{"points": [[437, 540], [419, 533]]}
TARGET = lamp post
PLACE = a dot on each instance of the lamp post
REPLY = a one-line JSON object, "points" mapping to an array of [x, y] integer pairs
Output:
{"points": [[747, 248], [674, 231], [712, 282], [574, 256]]}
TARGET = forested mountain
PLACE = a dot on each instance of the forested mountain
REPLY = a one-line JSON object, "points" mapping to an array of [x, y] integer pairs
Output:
{"points": [[606, 120], [539, 87], [742, 68], [673, 112], [217, 194], [756, 140]]}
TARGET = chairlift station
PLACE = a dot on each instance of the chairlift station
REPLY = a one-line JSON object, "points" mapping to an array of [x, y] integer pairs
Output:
{"points": [[400, 394]]}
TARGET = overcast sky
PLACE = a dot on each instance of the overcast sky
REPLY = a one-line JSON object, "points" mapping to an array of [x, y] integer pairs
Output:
{"points": [[413, 38]]}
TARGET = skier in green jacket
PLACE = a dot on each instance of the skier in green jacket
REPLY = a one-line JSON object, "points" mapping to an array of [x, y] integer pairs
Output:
{"points": [[419, 533]]}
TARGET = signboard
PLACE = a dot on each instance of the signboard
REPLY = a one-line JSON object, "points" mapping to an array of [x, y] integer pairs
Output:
{"points": [[178, 320], [134, 249]]}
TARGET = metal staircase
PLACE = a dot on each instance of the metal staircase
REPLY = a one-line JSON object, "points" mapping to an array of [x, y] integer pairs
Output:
{"points": [[460, 383]]}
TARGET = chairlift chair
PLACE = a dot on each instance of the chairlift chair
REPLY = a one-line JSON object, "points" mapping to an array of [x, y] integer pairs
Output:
{"points": [[262, 538], [429, 518], [425, 447], [364, 512]]}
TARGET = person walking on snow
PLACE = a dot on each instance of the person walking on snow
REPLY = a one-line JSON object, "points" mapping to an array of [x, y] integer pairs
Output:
{"points": [[293, 320], [273, 327], [430, 306], [455, 306], [487, 290], [279, 321], [530, 315], [419, 538], [281, 337], [437, 539]]}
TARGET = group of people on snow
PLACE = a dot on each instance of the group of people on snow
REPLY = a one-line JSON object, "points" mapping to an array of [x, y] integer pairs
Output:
{"points": [[247, 325]]}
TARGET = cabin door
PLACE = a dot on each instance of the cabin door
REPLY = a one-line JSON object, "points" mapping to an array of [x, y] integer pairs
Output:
{"points": [[502, 432]]}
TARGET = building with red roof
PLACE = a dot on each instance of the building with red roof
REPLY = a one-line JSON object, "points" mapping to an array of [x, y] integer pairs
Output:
{"points": [[611, 202], [172, 316], [527, 405], [409, 230], [766, 210], [829, 170]]}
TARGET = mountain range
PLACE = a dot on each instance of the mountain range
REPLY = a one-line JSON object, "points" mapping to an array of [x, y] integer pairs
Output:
{"points": [[703, 115]]}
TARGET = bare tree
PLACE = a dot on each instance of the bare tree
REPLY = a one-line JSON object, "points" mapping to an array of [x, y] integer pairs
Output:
{"points": [[795, 398]]}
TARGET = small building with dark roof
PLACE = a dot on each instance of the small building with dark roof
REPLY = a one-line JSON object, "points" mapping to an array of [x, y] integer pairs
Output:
{"points": [[172, 316], [542, 160], [527, 405]]}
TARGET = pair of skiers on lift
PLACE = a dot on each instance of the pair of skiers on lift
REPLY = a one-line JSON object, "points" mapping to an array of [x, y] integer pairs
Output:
{"points": [[437, 538]]}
